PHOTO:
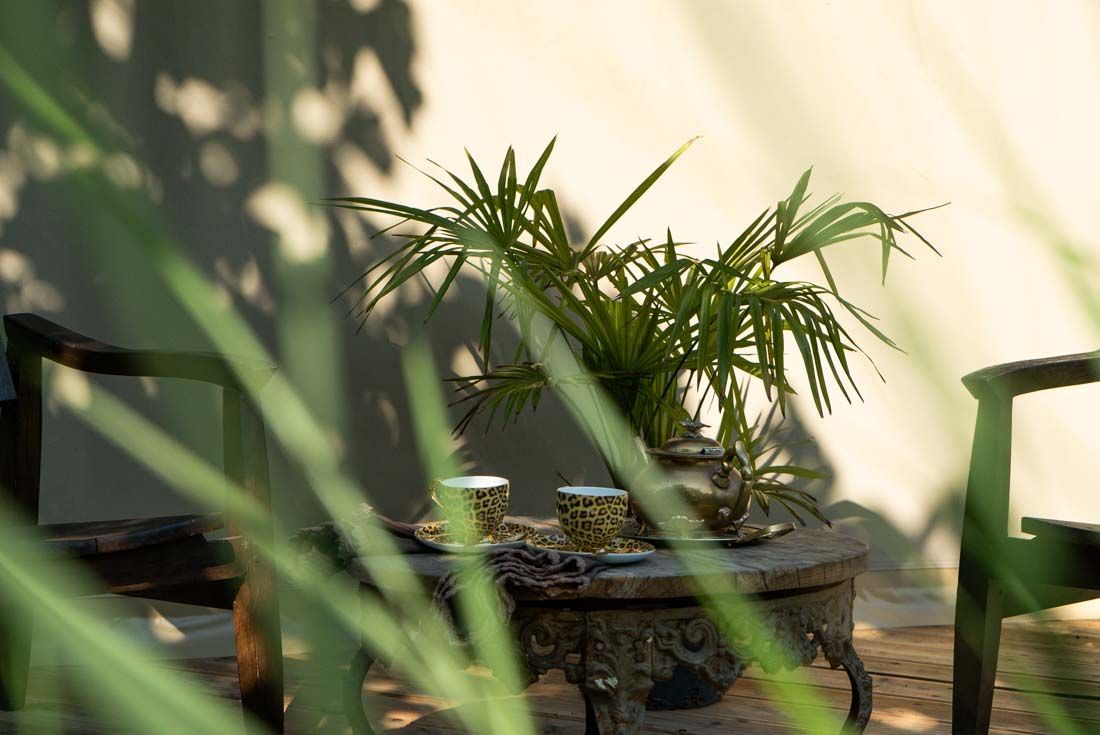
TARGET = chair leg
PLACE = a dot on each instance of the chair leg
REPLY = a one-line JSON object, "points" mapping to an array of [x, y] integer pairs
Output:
{"points": [[256, 606], [978, 613], [15, 657], [259, 645]]}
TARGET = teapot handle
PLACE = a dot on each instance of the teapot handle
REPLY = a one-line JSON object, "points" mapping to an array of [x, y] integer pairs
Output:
{"points": [[721, 477]]}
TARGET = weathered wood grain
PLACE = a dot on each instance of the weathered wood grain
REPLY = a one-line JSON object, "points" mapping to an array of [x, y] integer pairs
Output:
{"points": [[256, 622], [1069, 532], [1027, 376], [910, 697], [102, 537], [804, 558]]}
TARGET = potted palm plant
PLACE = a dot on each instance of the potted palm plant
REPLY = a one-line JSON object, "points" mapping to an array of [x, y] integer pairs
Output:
{"points": [[658, 330]]}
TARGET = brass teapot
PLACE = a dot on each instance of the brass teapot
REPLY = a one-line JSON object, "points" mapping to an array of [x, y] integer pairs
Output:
{"points": [[702, 472]]}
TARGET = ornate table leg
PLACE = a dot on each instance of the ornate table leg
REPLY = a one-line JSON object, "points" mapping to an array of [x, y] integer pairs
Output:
{"points": [[353, 693], [618, 672], [828, 616], [859, 712], [591, 725]]}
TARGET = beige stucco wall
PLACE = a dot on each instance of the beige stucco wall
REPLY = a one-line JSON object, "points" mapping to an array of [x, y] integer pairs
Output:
{"points": [[906, 104], [989, 107]]}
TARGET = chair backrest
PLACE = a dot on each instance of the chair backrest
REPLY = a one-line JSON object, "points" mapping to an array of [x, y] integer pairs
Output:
{"points": [[7, 390], [32, 340]]}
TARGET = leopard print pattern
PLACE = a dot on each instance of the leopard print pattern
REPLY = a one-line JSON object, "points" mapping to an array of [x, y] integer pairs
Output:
{"points": [[474, 513], [440, 532], [591, 521], [560, 542]]}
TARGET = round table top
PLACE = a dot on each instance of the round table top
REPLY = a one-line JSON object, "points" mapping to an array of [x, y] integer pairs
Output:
{"points": [[802, 559]]}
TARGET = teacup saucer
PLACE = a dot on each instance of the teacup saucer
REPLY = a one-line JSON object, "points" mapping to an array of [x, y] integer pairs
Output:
{"points": [[436, 535], [619, 551]]}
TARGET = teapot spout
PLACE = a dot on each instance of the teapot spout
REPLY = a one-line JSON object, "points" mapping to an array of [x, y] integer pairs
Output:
{"points": [[738, 453]]}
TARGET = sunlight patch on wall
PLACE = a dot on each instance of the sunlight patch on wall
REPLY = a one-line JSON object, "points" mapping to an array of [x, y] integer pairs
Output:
{"points": [[14, 266], [413, 292], [356, 169], [164, 93], [205, 108], [303, 235], [387, 411], [364, 6], [80, 156], [317, 117], [247, 282], [200, 105], [17, 270], [41, 296], [217, 164], [113, 26], [464, 361], [251, 282], [40, 155], [243, 119], [11, 181], [42, 158], [149, 386], [71, 388], [354, 232], [370, 90], [123, 170]]}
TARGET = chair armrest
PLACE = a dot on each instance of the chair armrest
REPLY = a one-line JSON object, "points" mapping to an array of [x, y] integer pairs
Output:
{"points": [[41, 337], [1016, 378]]}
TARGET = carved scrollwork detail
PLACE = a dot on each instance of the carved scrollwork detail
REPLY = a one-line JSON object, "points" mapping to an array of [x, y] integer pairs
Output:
{"points": [[615, 656], [551, 640], [834, 625], [785, 645], [694, 642], [797, 629]]}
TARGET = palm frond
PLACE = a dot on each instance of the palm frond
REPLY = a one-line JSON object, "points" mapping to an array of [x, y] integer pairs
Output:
{"points": [[645, 320]]}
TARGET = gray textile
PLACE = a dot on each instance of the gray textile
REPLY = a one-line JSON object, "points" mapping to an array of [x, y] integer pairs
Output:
{"points": [[327, 549], [510, 570]]}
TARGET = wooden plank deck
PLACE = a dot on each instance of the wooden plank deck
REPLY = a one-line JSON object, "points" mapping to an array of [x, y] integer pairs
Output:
{"points": [[1049, 674]]}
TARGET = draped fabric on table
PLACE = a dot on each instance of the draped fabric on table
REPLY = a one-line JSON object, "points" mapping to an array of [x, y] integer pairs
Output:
{"points": [[330, 546]]}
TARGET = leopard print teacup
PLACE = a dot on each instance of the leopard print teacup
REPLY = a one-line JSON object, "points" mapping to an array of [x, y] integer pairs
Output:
{"points": [[591, 516], [474, 505]]}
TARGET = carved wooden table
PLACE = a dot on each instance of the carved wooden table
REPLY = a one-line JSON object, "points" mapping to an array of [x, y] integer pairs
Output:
{"points": [[636, 624]]}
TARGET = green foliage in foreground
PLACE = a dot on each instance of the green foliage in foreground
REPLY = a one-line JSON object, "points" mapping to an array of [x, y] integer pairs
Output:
{"points": [[661, 331]]}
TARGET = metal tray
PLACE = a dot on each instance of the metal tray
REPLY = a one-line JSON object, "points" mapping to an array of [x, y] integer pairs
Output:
{"points": [[749, 534]]}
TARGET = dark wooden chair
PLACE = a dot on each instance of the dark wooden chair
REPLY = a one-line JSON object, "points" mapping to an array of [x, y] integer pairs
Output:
{"points": [[1001, 576], [154, 558]]}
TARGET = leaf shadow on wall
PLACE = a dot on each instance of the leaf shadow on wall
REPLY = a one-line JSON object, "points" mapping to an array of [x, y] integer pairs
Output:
{"points": [[182, 88]]}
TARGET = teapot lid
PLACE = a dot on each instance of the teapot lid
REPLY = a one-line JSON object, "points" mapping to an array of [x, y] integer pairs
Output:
{"points": [[690, 444]]}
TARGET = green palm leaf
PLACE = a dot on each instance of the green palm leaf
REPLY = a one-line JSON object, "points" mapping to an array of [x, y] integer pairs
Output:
{"points": [[645, 321]]}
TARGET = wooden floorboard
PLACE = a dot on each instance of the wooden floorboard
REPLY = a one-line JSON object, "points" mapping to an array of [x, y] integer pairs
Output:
{"points": [[1049, 674]]}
